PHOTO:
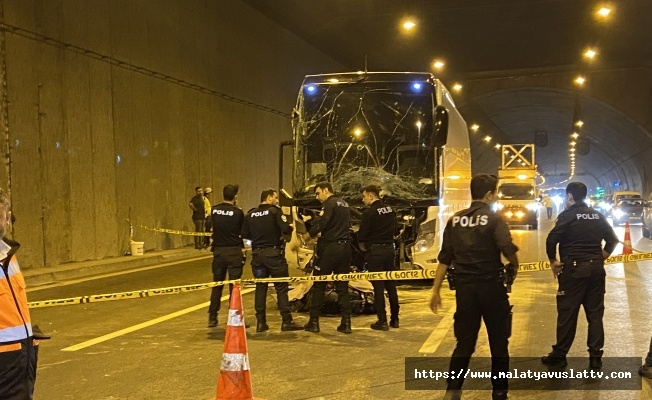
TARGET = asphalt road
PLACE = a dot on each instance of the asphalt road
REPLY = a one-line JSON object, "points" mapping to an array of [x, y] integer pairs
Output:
{"points": [[160, 348]]}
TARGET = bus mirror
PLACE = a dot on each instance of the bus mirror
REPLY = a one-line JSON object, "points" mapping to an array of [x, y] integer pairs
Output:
{"points": [[440, 128], [285, 199]]}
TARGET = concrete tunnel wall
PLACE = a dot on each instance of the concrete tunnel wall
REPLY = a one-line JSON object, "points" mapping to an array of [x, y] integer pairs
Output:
{"points": [[93, 142]]}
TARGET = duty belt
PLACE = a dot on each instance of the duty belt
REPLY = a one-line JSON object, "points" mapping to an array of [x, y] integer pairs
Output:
{"points": [[278, 246]]}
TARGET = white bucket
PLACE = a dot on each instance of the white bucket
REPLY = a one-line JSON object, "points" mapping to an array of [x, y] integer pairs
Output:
{"points": [[137, 248]]}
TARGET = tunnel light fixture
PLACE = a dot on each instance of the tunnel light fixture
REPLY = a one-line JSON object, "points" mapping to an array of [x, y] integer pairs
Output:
{"points": [[438, 65], [590, 54], [487, 139], [408, 25], [506, 152], [497, 146], [475, 127], [358, 132], [572, 150], [575, 135], [333, 80], [457, 87], [604, 12], [579, 123], [573, 143], [579, 81], [419, 124]]}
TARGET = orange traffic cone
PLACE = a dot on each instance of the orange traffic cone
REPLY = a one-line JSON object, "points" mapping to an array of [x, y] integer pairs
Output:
{"points": [[234, 381], [627, 243]]}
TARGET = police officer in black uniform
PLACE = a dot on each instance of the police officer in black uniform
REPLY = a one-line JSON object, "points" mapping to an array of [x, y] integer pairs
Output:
{"points": [[266, 227], [227, 220], [376, 240], [579, 231], [333, 255], [473, 240]]}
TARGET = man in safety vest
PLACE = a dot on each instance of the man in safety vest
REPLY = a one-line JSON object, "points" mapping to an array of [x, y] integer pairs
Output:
{"points": [[18, 349]]}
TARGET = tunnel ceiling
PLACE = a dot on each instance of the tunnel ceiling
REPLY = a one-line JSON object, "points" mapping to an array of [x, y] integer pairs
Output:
{"points": [[617, 145], [475, 37]]}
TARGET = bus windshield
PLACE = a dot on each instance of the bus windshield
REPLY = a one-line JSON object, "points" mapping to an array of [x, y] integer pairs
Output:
{"points": [[356, 132], [516, 191]]}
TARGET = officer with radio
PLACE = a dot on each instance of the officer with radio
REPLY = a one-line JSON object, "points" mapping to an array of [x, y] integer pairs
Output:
{"points": [[579, 231], [473, 241], [226, 219], [266, 227], [376, 240]]}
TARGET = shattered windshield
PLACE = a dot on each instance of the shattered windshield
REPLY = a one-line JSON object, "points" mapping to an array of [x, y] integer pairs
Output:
{"points": [[361, 133], [516, 191]]}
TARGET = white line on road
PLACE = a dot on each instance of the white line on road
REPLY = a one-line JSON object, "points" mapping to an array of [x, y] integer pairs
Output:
{"points": [[134, 328], [437, 336]]}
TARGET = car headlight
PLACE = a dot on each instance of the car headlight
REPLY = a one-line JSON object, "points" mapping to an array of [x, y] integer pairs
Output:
{"points": [[533, 206], [605, 206], [424, 243], [520, 214], [618, 213]]}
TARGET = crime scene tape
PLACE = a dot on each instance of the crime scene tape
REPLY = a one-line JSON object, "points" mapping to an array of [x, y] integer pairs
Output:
{"points": [[358, 276], [174, 231]]}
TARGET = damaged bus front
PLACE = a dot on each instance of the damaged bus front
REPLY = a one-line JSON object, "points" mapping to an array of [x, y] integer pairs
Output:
{"points": [[400, 131]]}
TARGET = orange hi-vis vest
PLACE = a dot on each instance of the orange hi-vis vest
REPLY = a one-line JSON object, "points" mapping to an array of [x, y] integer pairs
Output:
{"points": [[15, 322]]}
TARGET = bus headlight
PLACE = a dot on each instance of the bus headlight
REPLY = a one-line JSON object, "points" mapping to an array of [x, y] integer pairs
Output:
{"points": [[520, 214], [533, 206]]}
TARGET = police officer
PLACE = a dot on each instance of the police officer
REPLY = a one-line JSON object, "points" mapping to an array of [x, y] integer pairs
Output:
{"points": [[266, 226], [376, 240], [333, 255], [473, 240], [579, 231], [227, 220]]}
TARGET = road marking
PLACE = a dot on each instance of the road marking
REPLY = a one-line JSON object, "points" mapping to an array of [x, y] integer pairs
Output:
{"points": [[109, 275], [437, 336], [155, 321]]}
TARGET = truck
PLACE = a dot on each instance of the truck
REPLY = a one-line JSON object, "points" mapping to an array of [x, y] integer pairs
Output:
{"points": [[517, 201], [399, 130]]}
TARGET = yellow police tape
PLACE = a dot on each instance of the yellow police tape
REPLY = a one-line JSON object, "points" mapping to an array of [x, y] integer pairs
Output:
{"points": [[174, 231], [358, 276]]}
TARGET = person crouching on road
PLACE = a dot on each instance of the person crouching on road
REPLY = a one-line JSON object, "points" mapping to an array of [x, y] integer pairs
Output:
{"points": [[376, 240], [473, 241], [333, 253], [266, 226], [579, 231], [18, 348], [227, 247]]}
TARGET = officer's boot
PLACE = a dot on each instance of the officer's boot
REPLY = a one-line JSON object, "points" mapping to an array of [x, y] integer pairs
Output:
{"points": [[393, 321], [595, 359], [380, 325], [499, 395], [261, 326], [345, 325], [554, 360], [645, 371], [212, 320], [290, 326], [312, 325]]}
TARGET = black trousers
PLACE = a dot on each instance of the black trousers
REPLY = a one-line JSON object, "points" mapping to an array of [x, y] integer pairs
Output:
{"points": [[648, 359], [225, 259], [583, 285], [475, 301], [267, 263], [382, 258], [332, 258], [199, 227], [18, 370]]}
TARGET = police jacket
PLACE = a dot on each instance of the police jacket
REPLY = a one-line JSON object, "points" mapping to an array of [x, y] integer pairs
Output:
{"points": [[377, 224], [15, 322], [473, 240], [265, 226], [579, 231], [333, 224], [226, 220]]}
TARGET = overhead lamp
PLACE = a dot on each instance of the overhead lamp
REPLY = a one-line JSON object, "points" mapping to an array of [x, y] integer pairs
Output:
{"points": [[487, 138], [572, 150], [575, 135], [506, 151], [408, 25], [590, 54], [357, 132], [333, 80], [419, 124], [438, 64], [572, 143], [497, 145], [580, 80], [457, 87], [579, 123], [604, 12], [475, 127]]}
